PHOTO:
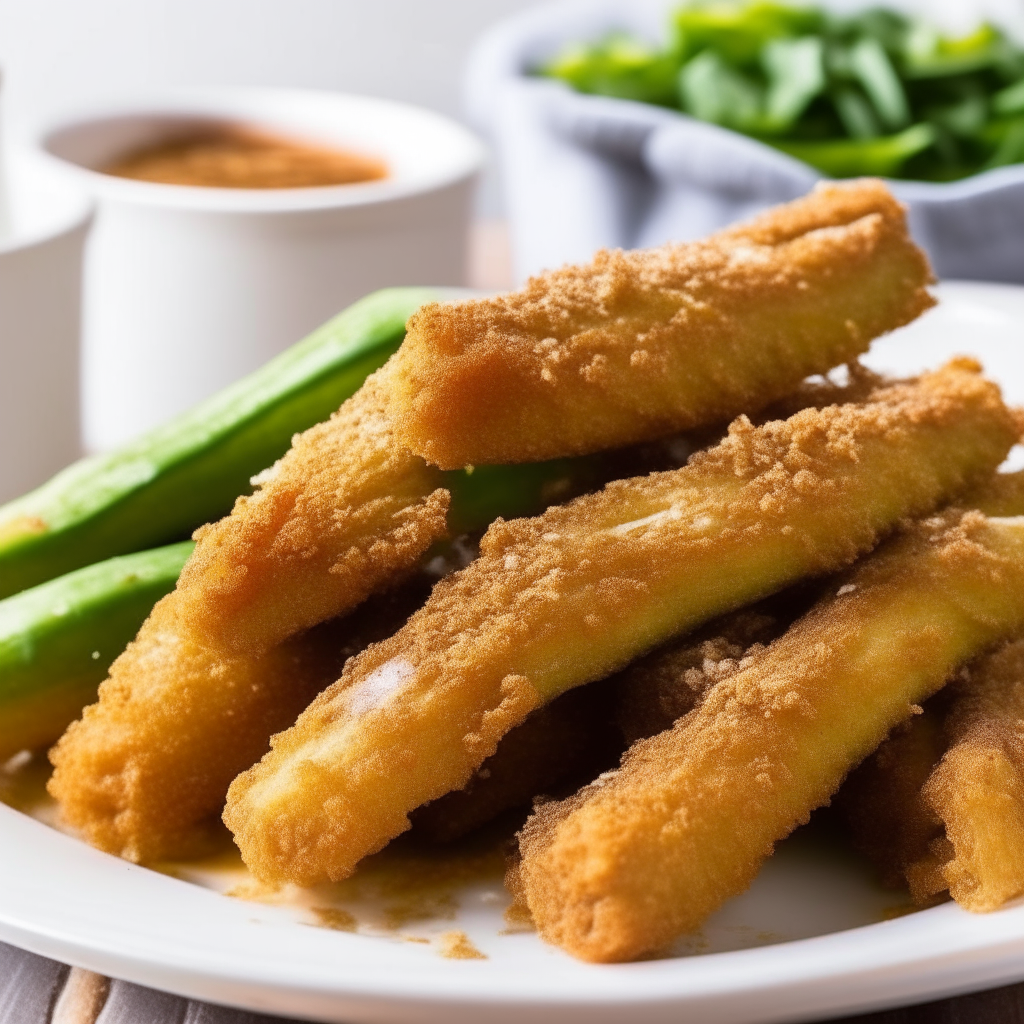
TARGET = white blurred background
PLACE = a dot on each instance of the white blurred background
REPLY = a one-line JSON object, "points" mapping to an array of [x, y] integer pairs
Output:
{"points": [[61, 55], [61, 52]]}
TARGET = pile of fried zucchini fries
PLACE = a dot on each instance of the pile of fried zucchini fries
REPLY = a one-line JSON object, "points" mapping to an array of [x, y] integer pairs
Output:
{"points": [[558, 538]]}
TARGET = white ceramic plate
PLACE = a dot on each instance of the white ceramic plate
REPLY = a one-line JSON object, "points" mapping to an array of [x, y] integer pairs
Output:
{"points": [[818, 943]]}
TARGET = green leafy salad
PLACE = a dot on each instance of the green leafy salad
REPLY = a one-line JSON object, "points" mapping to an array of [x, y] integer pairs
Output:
{"points": [[874, 93]]}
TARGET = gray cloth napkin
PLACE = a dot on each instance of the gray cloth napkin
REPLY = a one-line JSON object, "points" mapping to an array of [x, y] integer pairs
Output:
{"points": [[584, 172]]}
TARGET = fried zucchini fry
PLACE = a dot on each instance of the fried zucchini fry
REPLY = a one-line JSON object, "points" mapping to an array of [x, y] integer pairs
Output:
{"points": [[197, 695], [648, 852], [891, 821], [977, 789], [146, 767], [941, 805], [343, 513], [641, 344], [577, 593], [175, 722]]}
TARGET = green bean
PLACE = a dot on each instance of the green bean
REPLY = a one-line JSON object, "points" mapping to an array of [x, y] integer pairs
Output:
{"points": [[58, 639], [190, 471]]}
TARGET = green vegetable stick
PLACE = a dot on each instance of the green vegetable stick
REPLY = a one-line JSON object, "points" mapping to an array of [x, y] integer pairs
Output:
{"points": [[822, 85], [482, 494], [190, 471], [57, 640], [850, 158]]}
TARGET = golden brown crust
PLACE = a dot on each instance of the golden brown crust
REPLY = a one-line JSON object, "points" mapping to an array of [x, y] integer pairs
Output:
{"points": [[214, 671], [570, 596], [830, 205], [977, 790], [886, 803], [640, 344], [342, 514], [174, 723], [649, 851]]}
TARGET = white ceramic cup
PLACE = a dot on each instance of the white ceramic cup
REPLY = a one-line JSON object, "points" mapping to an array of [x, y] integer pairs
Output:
{"points": [[40, 323], [187, 289]]}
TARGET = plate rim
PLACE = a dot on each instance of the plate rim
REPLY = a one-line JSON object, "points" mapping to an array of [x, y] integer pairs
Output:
{"points": [[930, 954]]}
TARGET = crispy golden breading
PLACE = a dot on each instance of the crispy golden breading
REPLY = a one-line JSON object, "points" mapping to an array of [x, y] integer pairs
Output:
{"points": [[175, 722], [146, 766], [636, 345], [584, 732], [646, 853], [577, 593], [196, 696], [977, 790], [341, 515], [890, 820]]}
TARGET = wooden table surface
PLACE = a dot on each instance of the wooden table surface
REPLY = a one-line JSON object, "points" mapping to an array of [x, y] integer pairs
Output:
{"points": [[34, 990]]}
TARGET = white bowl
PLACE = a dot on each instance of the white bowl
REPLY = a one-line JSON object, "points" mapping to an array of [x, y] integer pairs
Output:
{"points": [[40, 314], [189, 288], [584, 172]]}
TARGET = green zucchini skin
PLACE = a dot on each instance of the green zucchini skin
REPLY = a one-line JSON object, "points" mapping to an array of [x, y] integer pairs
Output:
{"points": [[190, 471], [482, 494], [58, 639]]}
